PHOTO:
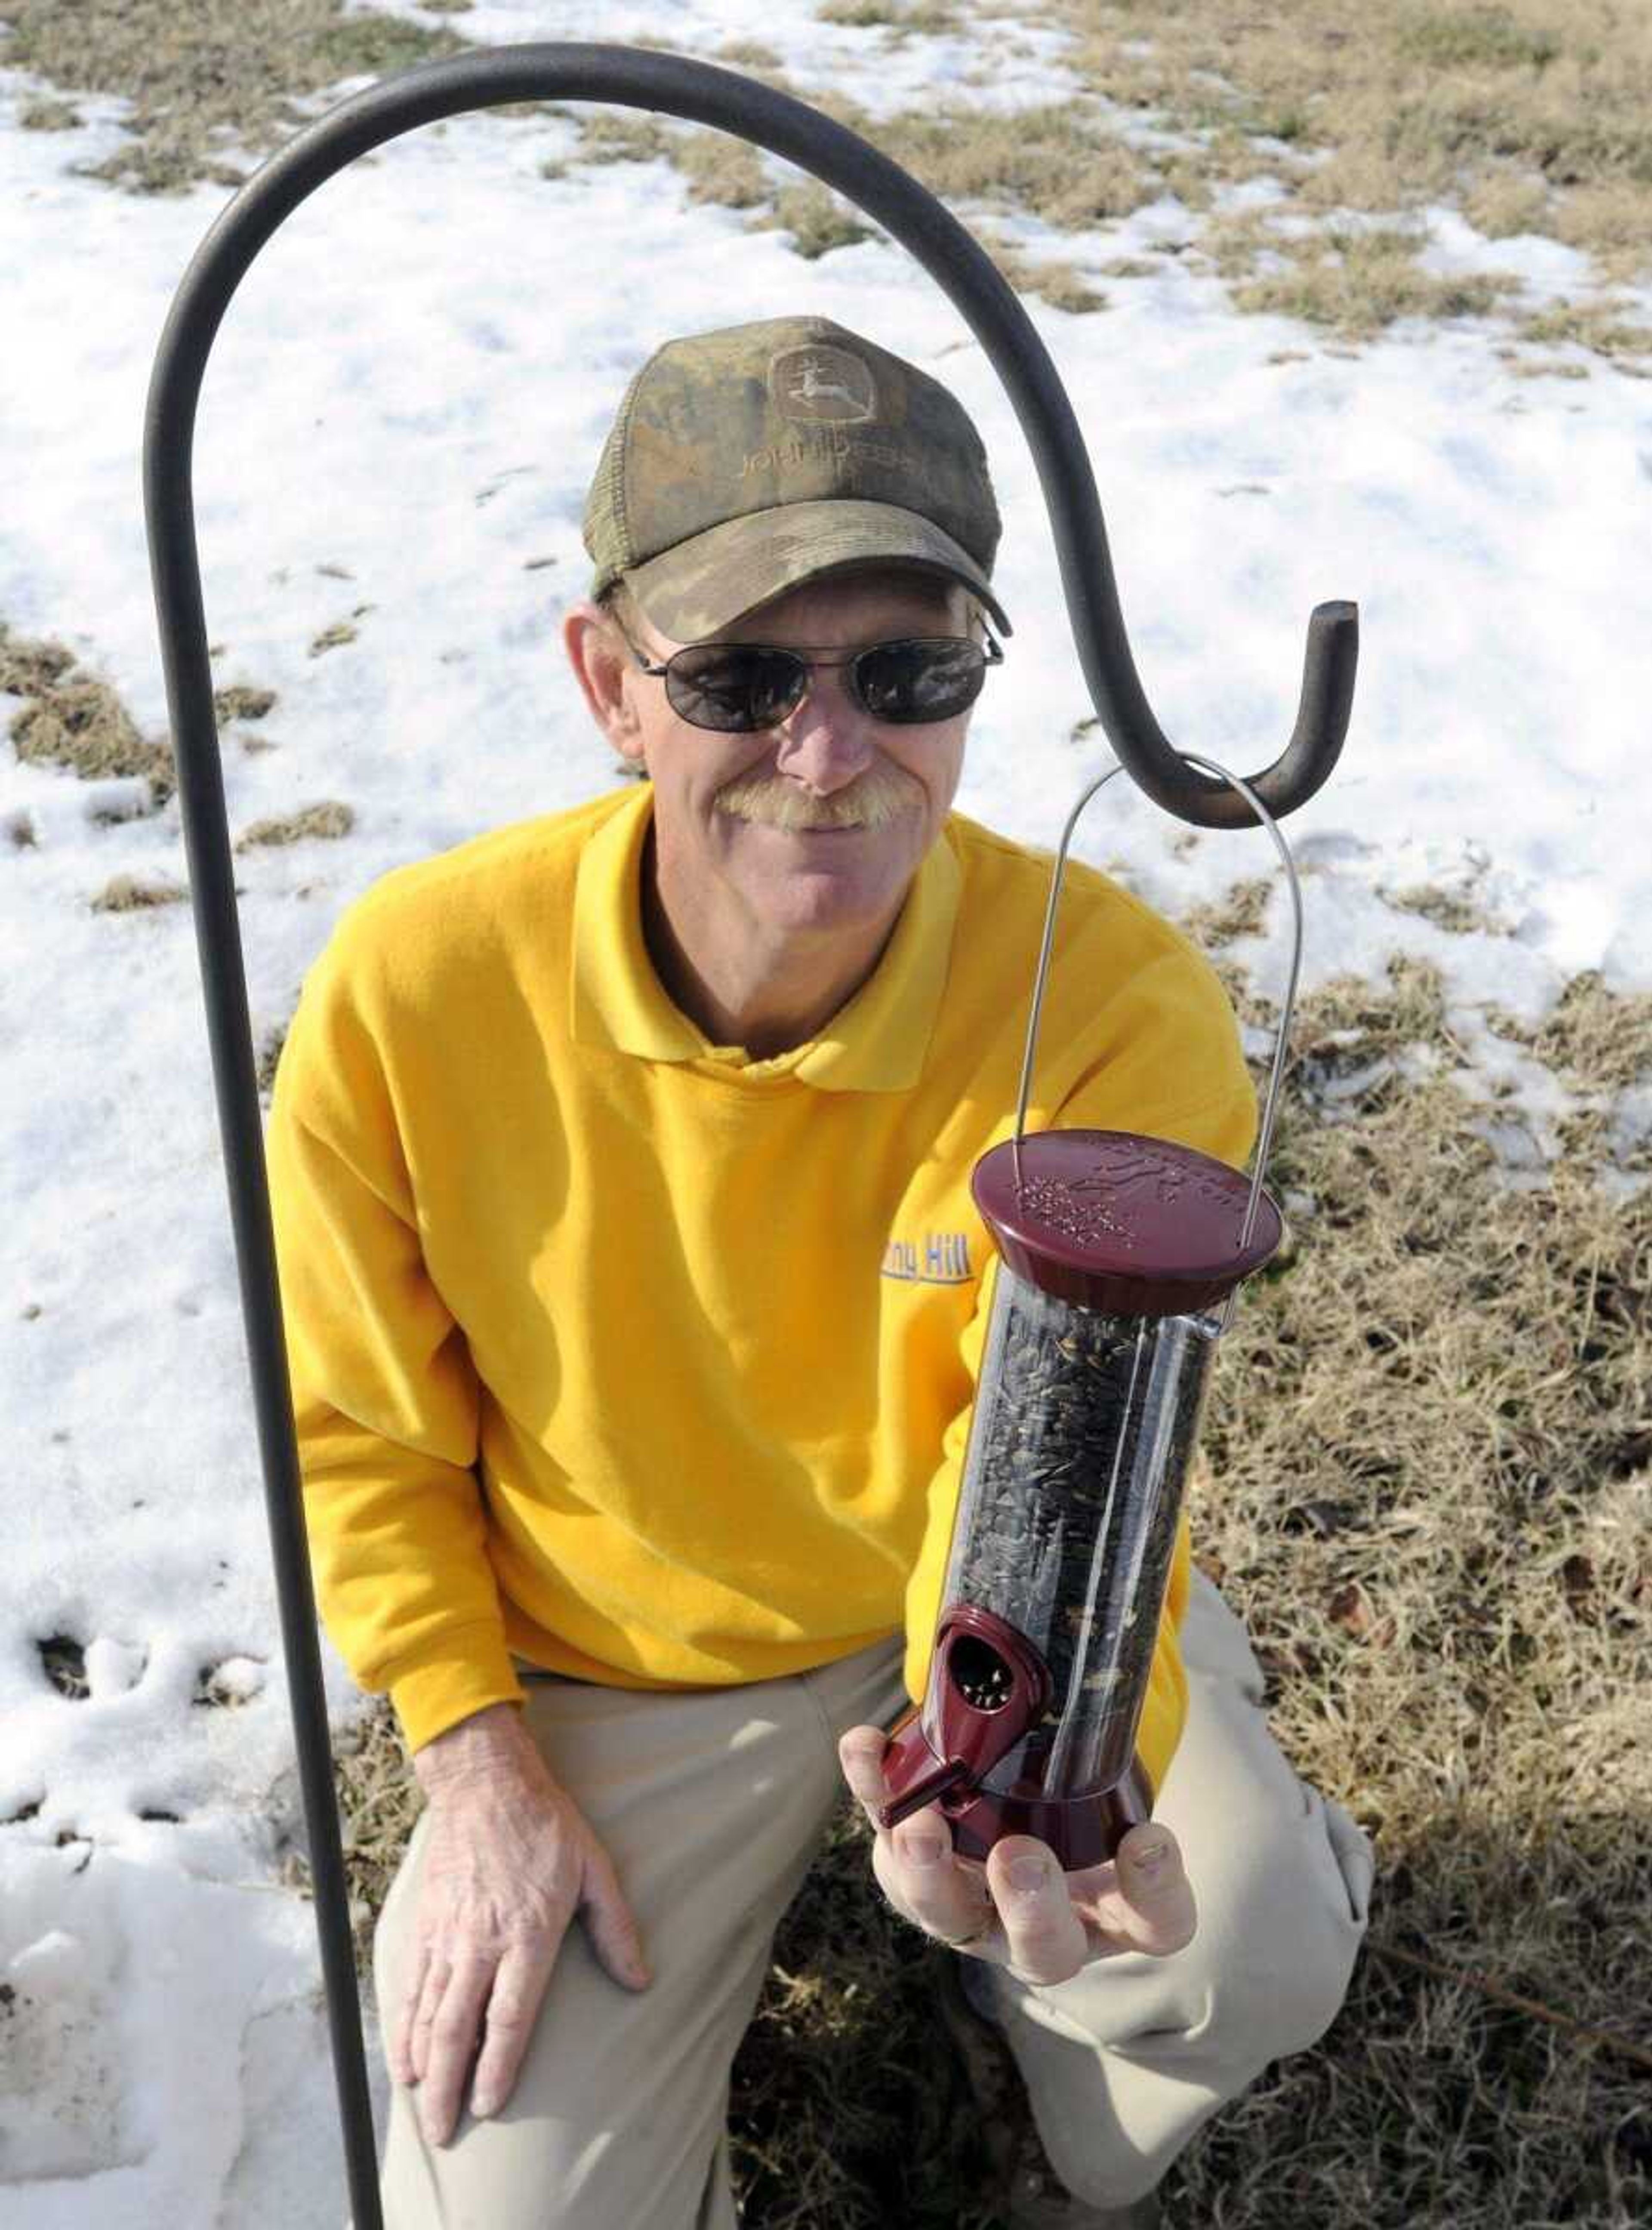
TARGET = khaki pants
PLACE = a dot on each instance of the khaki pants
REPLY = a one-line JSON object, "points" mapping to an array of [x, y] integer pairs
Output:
{"points": [[712, 1803]]}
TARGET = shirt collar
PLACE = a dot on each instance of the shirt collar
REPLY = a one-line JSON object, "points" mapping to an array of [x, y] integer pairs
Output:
{"points": [[875, 1043]]}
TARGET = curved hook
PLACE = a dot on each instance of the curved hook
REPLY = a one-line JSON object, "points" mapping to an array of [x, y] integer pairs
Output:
{"points": [[703, 92]]}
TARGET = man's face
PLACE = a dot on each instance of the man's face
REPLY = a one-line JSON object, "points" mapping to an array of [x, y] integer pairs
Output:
{"points": [[822, 821]]}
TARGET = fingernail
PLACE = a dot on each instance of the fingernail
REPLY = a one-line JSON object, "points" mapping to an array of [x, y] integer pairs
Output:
{"points": [[486, 2105], [1149, 1857], [925, 1852], [1028, 1874]]}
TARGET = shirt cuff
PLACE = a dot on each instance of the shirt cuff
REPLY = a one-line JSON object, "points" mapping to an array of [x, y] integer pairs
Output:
{"points": [[463, 1672]]}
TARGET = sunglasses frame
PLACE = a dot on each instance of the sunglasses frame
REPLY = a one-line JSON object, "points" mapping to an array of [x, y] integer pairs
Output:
{"points": [[991, 654]]}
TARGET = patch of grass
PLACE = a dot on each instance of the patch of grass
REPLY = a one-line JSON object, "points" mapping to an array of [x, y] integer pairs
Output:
{"points": [[1520, 367], [817, 219], [50, 116], [1057, 162], [128, 894], [858, 14], [905, 19], [241, 702], [1428, 1495], [1242, 912], [1528, 117], [205, 77], [1459, 38], [73, 720], [1594, 1039], [719, 168], [1356, 283], [1053, 280], [330, 819], [625, 135], [341, 632], [1458, 912], [1051, 162], [748, 54], [379, 1800], [1595, 326]]}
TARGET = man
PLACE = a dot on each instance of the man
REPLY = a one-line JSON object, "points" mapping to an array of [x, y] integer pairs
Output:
{"points": [[635, 1300]]}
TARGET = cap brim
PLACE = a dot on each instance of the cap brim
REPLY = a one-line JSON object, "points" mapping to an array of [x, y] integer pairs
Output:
{"points": [[708, 582]]}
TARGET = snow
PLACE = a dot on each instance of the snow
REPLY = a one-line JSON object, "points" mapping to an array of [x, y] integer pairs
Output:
{"points": [[397, 427]]}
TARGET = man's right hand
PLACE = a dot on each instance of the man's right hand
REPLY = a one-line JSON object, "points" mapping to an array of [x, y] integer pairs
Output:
{"points": [[511, 1857]]}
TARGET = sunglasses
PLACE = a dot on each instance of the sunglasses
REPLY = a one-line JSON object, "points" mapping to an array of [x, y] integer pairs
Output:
{"points": [[737, 687]]}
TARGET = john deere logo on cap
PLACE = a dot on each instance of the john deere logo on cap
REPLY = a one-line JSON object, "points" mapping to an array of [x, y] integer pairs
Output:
{"points": [[821, 383]]}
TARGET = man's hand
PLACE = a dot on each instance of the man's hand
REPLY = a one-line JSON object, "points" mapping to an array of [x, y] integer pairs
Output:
{"points": [[1139, 1901], [511, 1858]]}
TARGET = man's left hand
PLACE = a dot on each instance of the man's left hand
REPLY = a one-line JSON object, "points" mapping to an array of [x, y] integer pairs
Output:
{"points": [[1140, 1900]]}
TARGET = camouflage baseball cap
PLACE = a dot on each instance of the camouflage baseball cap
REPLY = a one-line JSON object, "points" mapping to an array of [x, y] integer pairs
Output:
{"points": [[746, 460]]}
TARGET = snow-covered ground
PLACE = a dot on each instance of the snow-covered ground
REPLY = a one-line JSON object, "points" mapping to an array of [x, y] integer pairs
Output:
{"points": [[398, 425]]}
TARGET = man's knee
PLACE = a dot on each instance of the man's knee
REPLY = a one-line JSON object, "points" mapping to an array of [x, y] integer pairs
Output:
{"points": [[1285, 1931]]}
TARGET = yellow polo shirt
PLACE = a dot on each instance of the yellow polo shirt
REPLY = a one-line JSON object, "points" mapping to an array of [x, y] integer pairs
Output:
{"points": [[644, 1360]]}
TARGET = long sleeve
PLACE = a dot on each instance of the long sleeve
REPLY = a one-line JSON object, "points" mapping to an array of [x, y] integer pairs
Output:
{"points": [[384, 1391]]}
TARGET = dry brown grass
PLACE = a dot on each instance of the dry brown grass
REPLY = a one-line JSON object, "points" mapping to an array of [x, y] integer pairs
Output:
{"points": [[207, 79], [1525, 116], [817, 219], [330, 818], [341, 632], [131, 894], [902, 19], [74, 719]]}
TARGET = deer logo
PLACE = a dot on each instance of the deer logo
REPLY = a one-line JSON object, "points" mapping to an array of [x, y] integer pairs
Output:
{"points": [[821, 384]]}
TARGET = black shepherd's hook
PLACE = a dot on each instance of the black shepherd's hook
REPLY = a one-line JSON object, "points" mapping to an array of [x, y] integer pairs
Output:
{"points": [[634, 77]]}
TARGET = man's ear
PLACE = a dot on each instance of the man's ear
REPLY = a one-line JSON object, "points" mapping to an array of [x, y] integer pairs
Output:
{"points": [[600, 663]]}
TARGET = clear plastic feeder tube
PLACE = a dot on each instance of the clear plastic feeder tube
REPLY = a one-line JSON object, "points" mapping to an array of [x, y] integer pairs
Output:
{"points": [[1084, 1430]]}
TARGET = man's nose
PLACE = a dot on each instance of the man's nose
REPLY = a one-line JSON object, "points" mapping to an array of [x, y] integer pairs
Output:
{"points": [[825, 743]]}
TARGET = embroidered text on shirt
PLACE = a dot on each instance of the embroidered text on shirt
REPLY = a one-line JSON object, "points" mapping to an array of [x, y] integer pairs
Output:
{"points": [[944, 1260]]}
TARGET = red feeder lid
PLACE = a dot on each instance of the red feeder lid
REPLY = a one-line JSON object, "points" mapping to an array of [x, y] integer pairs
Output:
{"points": [[1135, 1226]]}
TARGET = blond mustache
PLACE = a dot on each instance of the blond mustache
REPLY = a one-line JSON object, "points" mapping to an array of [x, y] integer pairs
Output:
{"points": [[881, 795]]}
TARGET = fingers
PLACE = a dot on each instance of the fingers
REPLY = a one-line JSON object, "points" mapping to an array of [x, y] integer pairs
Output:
{"points": [[512, 2009], [913, 1863], [1152, 1907], [920, 1873], [451, 2029], [424, 2005], [860, 1753], [1045, 1937], [1045, 1930], [610, 1923], [400, 2044], [1056, 1923], [470, 2015]]}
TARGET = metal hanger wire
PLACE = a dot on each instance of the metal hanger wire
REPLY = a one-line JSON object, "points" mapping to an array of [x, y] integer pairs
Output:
{"points": [[1264, 1136]]}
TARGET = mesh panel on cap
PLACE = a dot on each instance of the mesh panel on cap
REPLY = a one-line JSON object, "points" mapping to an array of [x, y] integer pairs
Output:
{"points": [[606, 539]]}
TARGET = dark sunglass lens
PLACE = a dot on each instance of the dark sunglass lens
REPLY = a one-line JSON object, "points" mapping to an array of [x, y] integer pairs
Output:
{"points": [[729, 687], [916, 681]]}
